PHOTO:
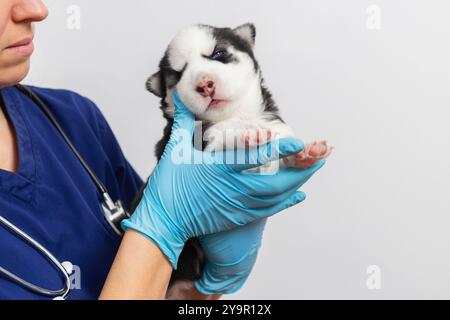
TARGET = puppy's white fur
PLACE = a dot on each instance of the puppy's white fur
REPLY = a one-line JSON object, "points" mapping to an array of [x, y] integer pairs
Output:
{"points": [[237, 83]]}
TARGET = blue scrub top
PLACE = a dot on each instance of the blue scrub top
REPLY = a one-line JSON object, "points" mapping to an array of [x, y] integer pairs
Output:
{"points": [[52, 198]]}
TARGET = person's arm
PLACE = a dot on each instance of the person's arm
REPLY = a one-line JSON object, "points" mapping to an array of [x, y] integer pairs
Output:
{"points": [[140, 271]]}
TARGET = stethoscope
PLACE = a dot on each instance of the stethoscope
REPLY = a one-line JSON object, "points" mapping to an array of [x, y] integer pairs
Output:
{"points": [[114, 213]]}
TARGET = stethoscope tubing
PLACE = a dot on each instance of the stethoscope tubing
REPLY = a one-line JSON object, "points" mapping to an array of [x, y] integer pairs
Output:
{"points": [[63, 292], [61, 131], [114, 212]]}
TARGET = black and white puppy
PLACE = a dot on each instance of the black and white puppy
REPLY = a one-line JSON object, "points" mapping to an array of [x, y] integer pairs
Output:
{"points": [[218, 78]]}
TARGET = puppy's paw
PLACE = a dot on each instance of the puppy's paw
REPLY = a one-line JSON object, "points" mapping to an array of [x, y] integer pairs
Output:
{"points": [[312, 153], [255, 137]]}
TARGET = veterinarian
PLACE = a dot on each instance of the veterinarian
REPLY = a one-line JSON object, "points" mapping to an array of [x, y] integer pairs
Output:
{"points": [[47, 194]]}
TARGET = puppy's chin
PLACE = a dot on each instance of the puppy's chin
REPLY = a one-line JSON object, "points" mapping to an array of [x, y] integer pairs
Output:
{"points": [[219, 111], [206, 109]]}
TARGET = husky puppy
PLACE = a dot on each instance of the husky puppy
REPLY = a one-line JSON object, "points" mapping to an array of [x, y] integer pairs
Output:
{"points": [[218, 78]]}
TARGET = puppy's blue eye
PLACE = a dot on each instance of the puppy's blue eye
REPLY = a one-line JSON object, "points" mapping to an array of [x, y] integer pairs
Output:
{"points": [[217, 55]]}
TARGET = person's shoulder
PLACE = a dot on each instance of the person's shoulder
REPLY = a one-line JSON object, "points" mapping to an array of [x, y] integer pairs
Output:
{"points": [[63, 98], [72, 107], [55, 92], [69, 103]]}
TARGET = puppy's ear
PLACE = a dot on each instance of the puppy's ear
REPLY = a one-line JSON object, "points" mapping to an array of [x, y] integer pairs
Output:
{"points": [[247, 32], [154, 84]]}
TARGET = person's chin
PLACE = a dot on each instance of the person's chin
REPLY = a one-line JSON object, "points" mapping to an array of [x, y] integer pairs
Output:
{"points": [[15, 73]]}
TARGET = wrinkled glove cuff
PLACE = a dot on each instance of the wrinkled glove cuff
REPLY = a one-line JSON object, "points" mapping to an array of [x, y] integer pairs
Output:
{"points": [[147, 222]]}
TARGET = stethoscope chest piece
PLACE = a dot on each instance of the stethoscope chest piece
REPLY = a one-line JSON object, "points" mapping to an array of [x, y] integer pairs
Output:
{"points": [[114, 213]]}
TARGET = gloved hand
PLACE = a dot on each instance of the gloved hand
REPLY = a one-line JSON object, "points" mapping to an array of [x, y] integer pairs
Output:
{"points": [[231, 255], [193, 193]]}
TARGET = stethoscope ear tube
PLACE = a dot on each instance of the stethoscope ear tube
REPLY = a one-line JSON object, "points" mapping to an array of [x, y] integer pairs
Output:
{"points": [[62, 293], [114, 212], [58, 127]]}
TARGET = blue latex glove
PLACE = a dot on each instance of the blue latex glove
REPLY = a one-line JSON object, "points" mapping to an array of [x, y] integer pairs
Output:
{"points": [[231, 255], [185, 199]]}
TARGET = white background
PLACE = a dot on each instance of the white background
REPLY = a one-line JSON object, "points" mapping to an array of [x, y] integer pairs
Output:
{"points": [[381, 97]]}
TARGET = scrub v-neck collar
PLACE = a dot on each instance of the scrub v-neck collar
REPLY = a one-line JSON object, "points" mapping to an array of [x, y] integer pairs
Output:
{"points": [[19, 184]]}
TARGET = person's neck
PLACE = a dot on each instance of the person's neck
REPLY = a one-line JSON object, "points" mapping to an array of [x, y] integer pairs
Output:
{"points": [[3, 119], [2, 112], [8, 146]]}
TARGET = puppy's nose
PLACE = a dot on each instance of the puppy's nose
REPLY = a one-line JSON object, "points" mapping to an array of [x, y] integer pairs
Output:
{"points": [[206, 87]]}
